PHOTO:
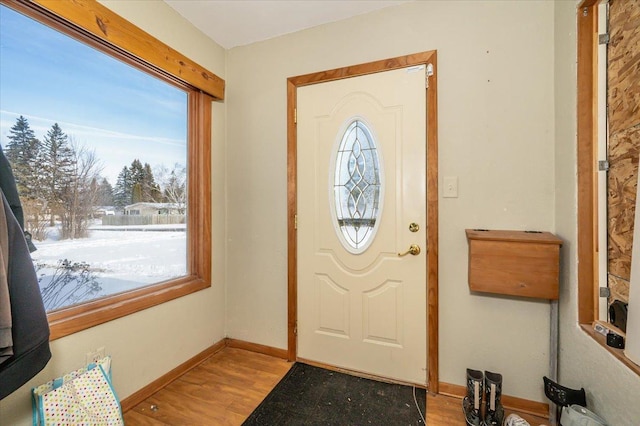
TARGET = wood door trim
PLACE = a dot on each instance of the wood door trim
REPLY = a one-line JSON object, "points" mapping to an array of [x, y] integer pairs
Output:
{"points": [[432, 228], [423, 58], [586, 152]]}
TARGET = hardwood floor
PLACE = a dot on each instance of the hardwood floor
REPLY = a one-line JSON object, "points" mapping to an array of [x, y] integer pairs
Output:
{"points": [[229, 385], [223, 390], [446, 410]]}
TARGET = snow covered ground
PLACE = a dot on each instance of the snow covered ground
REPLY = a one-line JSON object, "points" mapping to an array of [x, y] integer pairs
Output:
{"points": [[122, 258]]}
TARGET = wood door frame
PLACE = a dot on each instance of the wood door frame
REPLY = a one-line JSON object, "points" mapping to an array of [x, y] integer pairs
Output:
{"points": [[423, 58]]}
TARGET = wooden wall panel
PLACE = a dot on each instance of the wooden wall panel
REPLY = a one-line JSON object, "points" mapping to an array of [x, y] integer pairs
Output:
{"points": [[622, 183], [619, 288], [623, 98], [624, 65]]}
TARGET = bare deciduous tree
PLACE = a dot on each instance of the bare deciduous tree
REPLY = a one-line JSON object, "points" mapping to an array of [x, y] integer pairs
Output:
{"points": [[34, 221], [173, 184], [81, 194], [70, 283]]}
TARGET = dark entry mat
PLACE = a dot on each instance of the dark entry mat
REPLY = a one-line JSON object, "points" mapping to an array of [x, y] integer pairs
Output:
{"points": [[310, 395]]}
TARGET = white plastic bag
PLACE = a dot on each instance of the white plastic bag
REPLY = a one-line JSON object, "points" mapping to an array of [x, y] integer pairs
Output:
{"points": [[576, 415]]}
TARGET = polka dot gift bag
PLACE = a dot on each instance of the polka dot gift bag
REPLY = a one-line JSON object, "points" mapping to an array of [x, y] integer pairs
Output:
{"points": [[82, 397]]}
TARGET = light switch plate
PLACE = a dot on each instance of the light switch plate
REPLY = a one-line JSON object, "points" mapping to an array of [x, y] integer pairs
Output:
{"points": [[450, 189]]}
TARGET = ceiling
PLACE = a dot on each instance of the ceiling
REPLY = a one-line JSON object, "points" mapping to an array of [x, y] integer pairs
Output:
{"points": [[241, 22]]}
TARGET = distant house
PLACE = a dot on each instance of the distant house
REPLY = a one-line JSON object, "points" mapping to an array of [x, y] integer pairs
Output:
{"points": [[104, 211], [145, 209]]}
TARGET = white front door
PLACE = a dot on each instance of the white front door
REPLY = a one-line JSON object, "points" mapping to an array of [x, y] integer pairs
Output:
{"points": [[361, 203]]}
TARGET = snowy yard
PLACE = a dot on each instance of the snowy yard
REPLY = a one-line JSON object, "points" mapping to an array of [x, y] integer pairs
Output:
{"points": [[122, 258]]}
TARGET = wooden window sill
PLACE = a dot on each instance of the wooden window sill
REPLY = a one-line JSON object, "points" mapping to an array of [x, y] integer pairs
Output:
{"points": [[77, 318], [618, 353]]}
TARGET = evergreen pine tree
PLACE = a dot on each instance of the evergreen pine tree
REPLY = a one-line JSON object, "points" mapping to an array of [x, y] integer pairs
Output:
{"points": [[136, 193], [57, 164], [143, 185], [122, 191], [137, 178], [137, 171], [105, 193], [150, 189], [22, 152]]}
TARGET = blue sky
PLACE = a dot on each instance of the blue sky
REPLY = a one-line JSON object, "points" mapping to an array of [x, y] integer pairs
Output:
{"points": [[99, 102]]}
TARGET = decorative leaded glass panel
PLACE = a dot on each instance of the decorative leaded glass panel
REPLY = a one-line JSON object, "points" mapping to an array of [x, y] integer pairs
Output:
{"points": [[357, 185]]}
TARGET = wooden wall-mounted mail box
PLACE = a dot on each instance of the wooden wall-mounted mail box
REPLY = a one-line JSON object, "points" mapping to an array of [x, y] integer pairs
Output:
{"points": [[515, 263]]}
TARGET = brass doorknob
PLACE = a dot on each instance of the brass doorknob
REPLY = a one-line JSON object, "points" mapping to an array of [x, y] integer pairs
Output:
{"points": [[414, 249]]}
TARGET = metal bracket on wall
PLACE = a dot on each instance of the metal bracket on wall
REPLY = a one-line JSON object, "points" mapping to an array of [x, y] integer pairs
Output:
{"points": [[429, 73]]}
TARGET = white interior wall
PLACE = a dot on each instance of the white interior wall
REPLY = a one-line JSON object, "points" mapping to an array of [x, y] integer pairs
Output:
{"points": [[496, 133], [152, 342], [612, 388]]}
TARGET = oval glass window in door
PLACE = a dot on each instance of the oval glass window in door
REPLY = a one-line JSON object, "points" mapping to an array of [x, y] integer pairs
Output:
{"points": [[357, 186]]}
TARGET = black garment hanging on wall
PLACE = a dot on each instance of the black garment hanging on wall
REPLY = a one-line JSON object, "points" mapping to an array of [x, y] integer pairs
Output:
{"points": [[28, 319], [30, 328]]}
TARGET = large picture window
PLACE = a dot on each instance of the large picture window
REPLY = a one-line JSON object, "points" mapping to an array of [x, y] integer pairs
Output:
{"points": [[110, 157], [98, 149]]}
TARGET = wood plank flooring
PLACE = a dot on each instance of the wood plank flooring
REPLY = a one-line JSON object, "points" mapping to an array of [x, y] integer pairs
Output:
{"points": [[228, 386], [446, 410], [223, 390]]}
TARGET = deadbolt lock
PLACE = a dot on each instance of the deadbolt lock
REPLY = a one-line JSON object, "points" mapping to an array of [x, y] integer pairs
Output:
{"points": [[414, 227]]}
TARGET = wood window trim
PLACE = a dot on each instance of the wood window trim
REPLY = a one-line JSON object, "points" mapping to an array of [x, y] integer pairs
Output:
{"points": [[70, 320], [587, 111], [617, 353], [99, 21], [423, 58], [587, 122]]}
